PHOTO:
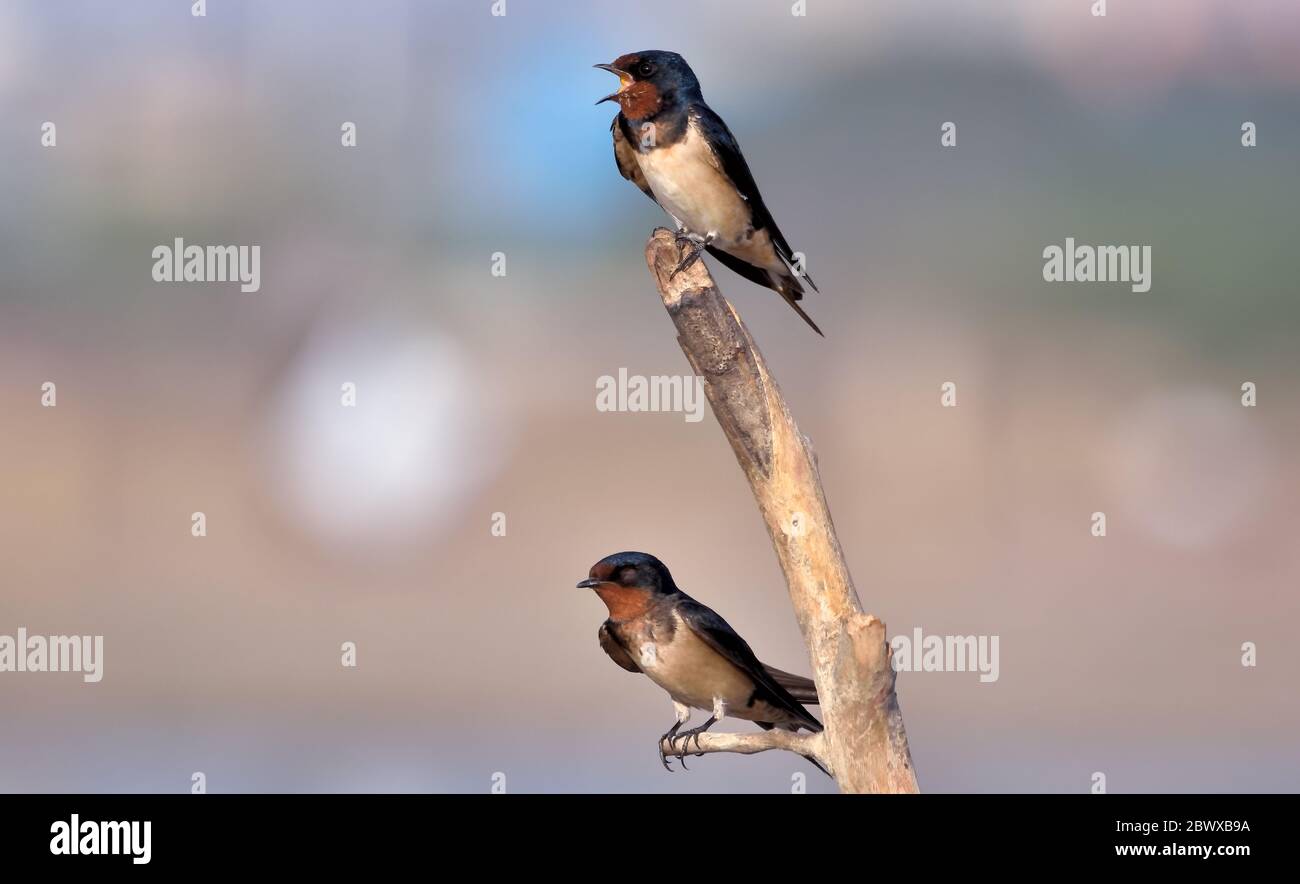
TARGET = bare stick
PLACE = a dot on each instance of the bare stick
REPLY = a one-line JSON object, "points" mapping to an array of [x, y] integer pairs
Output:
{"points": [[750, 744], [865, 744]]}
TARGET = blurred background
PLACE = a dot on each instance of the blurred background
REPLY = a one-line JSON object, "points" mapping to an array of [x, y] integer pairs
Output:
{"points": [[477, 134]]}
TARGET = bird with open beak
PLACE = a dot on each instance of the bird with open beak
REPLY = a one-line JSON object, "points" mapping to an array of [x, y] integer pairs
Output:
{"points": [[671, 145]]}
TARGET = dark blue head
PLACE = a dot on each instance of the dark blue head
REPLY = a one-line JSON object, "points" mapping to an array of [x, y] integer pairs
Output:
{"points": [[650, 82], [631, 569]]}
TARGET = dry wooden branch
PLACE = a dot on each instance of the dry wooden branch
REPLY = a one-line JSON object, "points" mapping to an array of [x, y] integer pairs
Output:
{"points": [[864, 744], [752, 743]]}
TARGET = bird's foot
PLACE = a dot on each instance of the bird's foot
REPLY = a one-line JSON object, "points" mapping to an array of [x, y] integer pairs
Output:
{"points": [[685, 238], [663, 759], [685, 736], [696, 244]]}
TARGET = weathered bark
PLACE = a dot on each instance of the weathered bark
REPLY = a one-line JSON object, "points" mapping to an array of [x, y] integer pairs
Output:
{"points": [[865, 745]]}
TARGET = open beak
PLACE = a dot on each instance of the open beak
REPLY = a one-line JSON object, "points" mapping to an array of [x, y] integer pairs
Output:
{"points": [[589, 583], [624, 80]]}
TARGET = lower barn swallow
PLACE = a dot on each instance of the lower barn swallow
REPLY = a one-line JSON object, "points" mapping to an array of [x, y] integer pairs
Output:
{"points": [[691, 652], [669, 143]]}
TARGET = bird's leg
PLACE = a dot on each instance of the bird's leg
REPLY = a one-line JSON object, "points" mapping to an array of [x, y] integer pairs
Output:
{"points": [[683, 713], [719, 712], [685, 737], [696, 243]]}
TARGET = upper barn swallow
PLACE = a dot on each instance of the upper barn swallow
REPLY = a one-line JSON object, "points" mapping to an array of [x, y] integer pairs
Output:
{"points": [[669, 143], [691, 652]]}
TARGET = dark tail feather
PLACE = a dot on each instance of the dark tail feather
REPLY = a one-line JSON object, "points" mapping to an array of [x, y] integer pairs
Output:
{"points": [[787, 286], [799, 716], [783, 249], [813, 762], [802, 689], [806, 318]]}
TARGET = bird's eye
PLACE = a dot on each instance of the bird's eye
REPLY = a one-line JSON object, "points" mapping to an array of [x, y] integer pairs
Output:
{"points": [[646, 69], [627, 577]]}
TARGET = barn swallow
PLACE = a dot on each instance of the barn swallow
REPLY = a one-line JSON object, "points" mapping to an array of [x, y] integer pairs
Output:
{"points": [[681, 154], [691, 652]]}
